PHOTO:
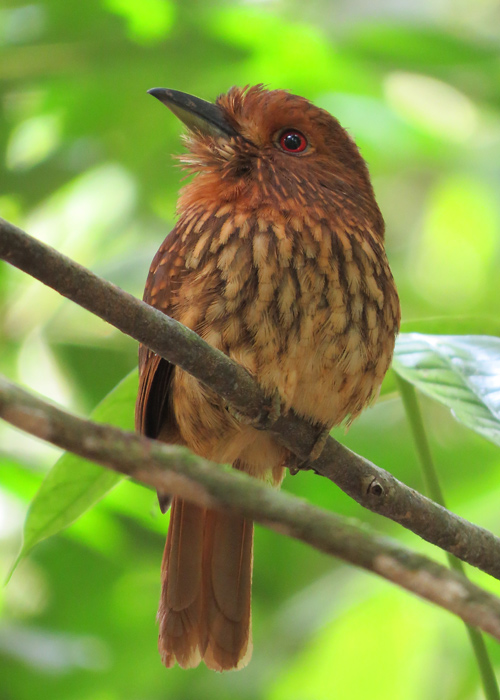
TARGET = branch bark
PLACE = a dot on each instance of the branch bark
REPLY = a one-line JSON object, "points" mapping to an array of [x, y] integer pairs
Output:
{"points": [[370, 486], [175, 469]]}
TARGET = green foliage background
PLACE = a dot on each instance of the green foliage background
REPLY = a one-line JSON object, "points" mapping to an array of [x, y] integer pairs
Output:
{"points": [[86, 167]]}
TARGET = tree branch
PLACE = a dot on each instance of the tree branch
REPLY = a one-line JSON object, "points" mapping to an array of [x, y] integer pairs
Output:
{"points": [[174, 469], [370, 486]]}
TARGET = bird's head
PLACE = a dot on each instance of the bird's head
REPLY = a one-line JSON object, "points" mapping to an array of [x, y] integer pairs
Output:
{"points": [[271, 147]]}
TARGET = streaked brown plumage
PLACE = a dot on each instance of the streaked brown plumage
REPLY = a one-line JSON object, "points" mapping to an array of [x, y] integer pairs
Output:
{"points": [[277, 260]]}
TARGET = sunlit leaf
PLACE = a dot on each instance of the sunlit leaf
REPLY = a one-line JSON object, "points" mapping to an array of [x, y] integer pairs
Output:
{"points": [[148, 21], [416, 46], [74, 485], [459, 235], [462, 372], [432, 105], [32, 141], [287, 54]]}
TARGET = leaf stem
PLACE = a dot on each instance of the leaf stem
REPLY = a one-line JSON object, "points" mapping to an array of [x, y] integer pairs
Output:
{"points": [[415, 420]]}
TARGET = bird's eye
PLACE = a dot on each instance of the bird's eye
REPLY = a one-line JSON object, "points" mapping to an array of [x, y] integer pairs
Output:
{"points": [[293, 141]]}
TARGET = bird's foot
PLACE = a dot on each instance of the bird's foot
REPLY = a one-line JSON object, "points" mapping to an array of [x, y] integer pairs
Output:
{"points": [[267, 417], [319, 445], [295, 464]]}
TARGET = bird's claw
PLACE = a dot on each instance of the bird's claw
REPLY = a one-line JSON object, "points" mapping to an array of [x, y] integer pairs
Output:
{"points": [[319, 445], [270, 413], [267, 417], [295, 464]]}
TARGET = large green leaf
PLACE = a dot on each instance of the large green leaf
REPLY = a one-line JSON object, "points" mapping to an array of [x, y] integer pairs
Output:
{"points": [[460, 371], [74, 484], [452, 325]]}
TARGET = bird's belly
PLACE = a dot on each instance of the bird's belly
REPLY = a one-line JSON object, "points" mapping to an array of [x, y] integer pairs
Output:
{"points": [[318, 329], [325, 374]]}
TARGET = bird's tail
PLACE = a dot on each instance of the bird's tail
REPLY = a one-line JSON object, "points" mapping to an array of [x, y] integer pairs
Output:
{"points": [[204, 608]]}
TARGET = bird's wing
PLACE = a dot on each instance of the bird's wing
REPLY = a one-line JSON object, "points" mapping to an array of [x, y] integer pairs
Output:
{"points": [[153, 411], [185, 282]]}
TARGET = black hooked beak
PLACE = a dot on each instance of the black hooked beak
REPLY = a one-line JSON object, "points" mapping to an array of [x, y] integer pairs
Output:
{"points": [[198, 115]]}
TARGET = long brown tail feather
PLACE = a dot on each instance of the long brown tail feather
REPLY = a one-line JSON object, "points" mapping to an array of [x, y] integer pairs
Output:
{"points": [[227, 579], [206, 589], [179, 614]]}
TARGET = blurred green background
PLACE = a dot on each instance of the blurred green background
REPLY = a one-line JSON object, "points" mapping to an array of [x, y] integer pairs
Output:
{"points": [[86, 166]]}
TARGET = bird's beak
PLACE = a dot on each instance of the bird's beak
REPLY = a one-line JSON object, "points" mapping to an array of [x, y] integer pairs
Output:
{"points": [[198, 115]]}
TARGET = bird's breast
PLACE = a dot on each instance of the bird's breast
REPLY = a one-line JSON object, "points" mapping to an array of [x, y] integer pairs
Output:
{"points": [[307, 306]]}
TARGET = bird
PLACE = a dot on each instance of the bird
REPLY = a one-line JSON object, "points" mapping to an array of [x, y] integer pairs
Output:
{"points": [[277, 259]]}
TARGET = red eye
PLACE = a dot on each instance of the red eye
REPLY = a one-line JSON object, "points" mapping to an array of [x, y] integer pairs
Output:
{"points": [[293, 141]]}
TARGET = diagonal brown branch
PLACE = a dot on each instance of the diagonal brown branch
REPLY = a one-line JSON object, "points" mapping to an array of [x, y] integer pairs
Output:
{"points": [[174, 469], [372, 487]]}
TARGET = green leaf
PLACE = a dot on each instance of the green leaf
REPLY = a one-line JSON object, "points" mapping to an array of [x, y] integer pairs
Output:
{"points": [[74, 484], [415, 47], [460, 371]]}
